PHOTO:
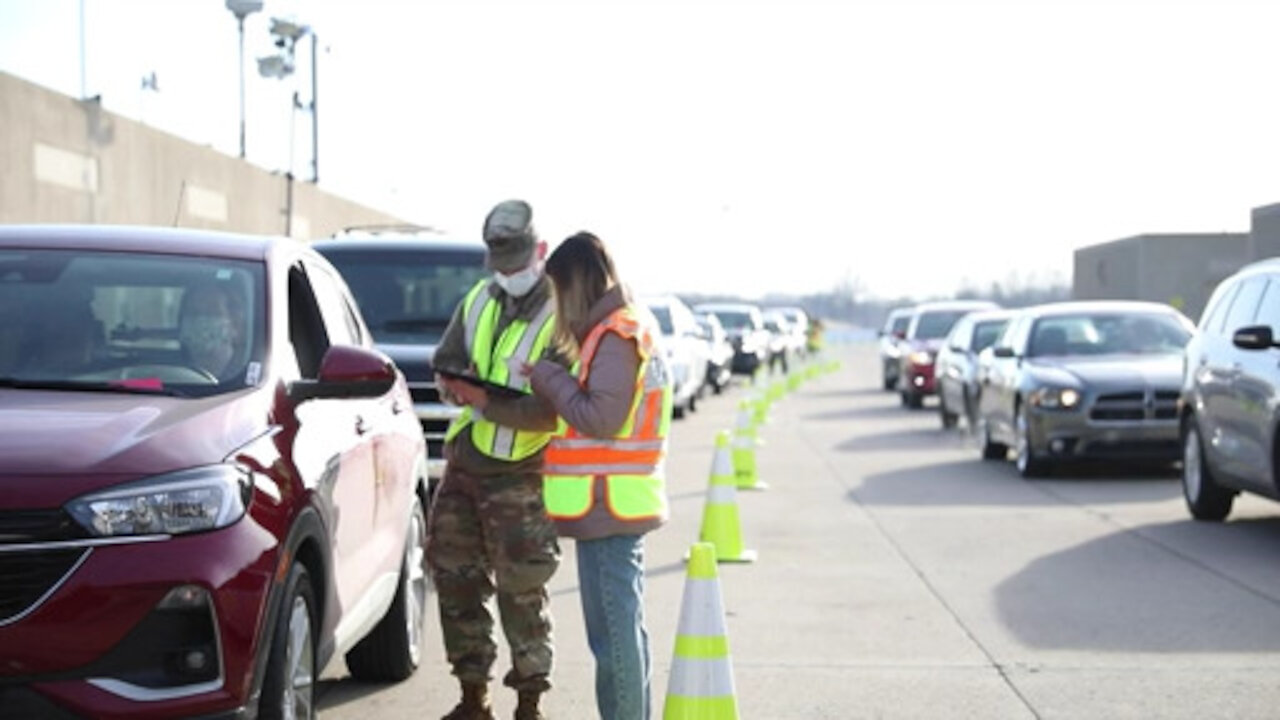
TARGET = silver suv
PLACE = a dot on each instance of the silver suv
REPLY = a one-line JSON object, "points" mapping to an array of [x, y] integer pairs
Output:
{"points": [[891, 338], [1230, 386], [407, 281]]}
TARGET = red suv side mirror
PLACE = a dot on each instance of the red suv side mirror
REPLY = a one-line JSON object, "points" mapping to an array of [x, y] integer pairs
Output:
{"points": [[347, 371]]}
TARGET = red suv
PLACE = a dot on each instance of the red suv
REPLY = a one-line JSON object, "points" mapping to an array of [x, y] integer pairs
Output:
{"points": [[211, 483], [928, 327]]}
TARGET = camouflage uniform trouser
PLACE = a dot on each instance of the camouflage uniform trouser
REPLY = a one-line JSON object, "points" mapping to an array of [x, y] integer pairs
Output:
{"points": [[490, 534]]}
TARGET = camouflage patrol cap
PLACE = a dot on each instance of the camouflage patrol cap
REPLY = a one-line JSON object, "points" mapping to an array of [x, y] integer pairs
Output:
{"points": [[509, 236]]}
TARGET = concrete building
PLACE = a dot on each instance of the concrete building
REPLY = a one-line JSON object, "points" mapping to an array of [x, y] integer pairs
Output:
{"points": [[68, 160], [1264, 232], [1180, 269]]}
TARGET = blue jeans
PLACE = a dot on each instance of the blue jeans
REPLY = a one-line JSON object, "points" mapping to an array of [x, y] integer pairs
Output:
{"points": [[611, 582]]}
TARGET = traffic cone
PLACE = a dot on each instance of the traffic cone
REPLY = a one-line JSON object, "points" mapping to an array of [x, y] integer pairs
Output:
{"points": [[777, 390], [759, 405], [793, 381], [721, 525], [744, 458], [701, 682], [747, 422]]}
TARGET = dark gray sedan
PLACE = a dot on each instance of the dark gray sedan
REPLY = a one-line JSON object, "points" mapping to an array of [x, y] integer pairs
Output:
{"points": [[1084, 380]]}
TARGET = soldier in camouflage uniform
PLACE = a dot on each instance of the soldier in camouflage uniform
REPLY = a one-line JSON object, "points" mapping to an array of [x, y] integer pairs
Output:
{"points": [[488, 531]]}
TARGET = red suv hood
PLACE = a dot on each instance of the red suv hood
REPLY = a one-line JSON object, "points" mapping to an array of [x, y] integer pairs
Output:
{"points": [[932, 345], [91, 439]]}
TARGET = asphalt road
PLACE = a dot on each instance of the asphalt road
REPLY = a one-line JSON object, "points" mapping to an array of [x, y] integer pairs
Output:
{"points": [[900, 576]]}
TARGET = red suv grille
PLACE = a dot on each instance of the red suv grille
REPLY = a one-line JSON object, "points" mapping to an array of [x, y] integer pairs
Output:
{"points": [[26, 526], [26, 576]]}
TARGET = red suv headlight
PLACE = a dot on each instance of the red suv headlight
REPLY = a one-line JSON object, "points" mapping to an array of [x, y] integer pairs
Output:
{"points": [[921, 357], [195, 500]]}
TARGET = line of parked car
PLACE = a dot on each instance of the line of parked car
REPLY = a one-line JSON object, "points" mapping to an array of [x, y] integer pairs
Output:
{"points": [[1060, 383], [217, 454], [710, 342]]}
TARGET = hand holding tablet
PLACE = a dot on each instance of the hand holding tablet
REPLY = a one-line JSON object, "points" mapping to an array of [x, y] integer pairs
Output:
{"points": [[492, 388]]}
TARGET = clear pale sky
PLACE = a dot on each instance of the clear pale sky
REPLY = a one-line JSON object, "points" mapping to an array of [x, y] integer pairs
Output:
{"points": [[903, 146]]}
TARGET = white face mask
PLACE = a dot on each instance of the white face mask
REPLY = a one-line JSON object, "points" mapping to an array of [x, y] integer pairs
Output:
{"points": [[519, 284], [205, 334]]}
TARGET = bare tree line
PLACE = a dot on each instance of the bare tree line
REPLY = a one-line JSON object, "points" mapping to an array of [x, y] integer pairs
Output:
{"points": [[848, 301]]}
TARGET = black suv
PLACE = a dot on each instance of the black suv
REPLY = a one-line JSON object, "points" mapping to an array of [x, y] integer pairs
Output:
{"points": [[1230, 387], [407, 281]]}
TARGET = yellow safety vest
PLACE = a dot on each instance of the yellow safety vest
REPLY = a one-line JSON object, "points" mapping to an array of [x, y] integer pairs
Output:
{"points": [[631, 462], [521, 341]]}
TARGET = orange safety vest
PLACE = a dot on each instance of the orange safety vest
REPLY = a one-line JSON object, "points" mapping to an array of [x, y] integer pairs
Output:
{"points": [[631, 462]]}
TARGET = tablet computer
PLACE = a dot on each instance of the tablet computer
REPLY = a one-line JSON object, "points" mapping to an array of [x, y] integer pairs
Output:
{"points": [[489, 387]]}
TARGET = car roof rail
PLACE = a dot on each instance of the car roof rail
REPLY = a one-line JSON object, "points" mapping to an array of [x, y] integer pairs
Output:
{"points": [[375, 229]]}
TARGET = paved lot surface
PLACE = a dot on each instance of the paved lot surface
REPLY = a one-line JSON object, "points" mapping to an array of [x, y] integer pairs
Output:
{"points": [[899, 576]]}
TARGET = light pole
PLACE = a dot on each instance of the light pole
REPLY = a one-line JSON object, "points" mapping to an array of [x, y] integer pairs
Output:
{"points": [[242, 9], [287, 34]]}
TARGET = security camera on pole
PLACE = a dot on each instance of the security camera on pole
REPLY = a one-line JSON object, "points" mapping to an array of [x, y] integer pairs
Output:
{"points": [[287, 33]]}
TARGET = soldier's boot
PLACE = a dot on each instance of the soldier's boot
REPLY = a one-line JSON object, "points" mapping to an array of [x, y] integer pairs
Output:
{"points": [[475, 704], [527, 707]]}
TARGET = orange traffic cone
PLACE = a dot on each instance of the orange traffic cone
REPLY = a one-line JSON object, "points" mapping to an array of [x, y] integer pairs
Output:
{"points": [[720, 523], [701, 682]]}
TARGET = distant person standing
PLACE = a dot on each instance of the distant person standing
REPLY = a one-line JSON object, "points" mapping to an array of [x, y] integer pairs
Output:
{"points": [[814, 336], [604, 471], [488, 532]]}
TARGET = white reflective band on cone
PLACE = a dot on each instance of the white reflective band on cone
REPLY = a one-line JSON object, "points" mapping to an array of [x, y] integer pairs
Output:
{"points": [[701, 678], [722, 494], [702, 596], [722, 465]]}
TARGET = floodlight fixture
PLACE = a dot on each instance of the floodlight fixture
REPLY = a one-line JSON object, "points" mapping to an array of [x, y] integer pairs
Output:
{"points": [[243, 8], [288, 29], [275, 66], [287, 32]]}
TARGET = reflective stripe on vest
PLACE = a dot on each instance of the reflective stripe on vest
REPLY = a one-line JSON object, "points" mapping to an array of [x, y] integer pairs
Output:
{"points": [[631, 461], [521, 341]]}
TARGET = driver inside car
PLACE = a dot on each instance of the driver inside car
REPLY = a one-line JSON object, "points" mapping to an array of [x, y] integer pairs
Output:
{"points": [[208, 330]]}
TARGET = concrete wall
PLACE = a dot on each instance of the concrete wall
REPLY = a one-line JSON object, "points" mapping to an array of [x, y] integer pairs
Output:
{"points": [[66, 160], [1183, 270], [1179, 269], [1104, 271]]}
